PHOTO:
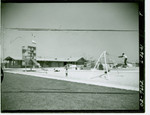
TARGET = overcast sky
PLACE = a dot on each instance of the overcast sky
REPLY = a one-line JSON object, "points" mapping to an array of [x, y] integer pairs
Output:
{"points": [[101, 16]]}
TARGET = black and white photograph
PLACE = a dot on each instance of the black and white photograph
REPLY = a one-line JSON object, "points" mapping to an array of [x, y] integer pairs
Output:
{"points": [[72, 57]]}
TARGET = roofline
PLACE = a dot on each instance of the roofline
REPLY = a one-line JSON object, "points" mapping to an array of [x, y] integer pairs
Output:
{"points": [[51, 60]]}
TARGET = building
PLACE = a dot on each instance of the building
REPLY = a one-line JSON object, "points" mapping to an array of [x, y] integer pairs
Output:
{"points": [[60, 62], [12, 62]]}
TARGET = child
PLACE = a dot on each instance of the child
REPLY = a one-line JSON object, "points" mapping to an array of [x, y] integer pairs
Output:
{"points": [[66, 67]]}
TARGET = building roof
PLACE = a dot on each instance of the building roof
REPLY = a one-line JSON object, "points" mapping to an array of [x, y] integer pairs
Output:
{"points": [[60, 59], [12, 58]]}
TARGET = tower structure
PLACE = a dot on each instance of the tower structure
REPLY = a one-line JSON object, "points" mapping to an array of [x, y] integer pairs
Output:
{"points": [[28, 55]]}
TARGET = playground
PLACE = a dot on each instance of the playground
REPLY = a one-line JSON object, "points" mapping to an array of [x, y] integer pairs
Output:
{"points": [[70, 87], [103, 74], [123, 78], [72, 57]]}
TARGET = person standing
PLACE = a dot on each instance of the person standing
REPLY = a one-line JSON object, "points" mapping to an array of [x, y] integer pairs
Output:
{"points": [[2, 75], [66, 68], [125, 58]]}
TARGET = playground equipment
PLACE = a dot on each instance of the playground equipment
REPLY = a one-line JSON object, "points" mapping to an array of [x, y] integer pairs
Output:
{"points": [[102, 61], [37, 64], [28, 53], [29, 57], [106, 63]]}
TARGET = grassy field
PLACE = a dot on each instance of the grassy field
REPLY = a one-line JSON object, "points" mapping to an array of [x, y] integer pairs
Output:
{"points": [[22, 92]]}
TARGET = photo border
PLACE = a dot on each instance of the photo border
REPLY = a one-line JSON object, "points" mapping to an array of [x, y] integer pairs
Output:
{"points": [[141, 4]]}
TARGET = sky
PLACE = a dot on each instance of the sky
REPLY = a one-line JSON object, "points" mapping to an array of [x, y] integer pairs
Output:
{"points": [[89, 16]]}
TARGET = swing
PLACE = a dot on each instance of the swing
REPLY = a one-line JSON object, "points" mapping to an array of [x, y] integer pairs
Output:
{"points": [[103, 60]]}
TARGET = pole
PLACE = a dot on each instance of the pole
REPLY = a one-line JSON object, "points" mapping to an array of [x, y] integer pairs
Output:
{"points": [[106, 63], [98, 60], [25, 66], [2, 53]]}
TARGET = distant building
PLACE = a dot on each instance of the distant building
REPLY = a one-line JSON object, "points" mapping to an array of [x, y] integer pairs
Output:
{"points": [[12, 62], [60, 62]]}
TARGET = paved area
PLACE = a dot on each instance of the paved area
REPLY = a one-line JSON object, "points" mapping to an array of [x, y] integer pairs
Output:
{"points": [[124, 79]]}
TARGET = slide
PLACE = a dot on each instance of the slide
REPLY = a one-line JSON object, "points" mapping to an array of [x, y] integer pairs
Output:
{"points": [[37, 64]]}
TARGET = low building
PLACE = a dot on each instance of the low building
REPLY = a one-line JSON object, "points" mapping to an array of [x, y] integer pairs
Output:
{"points": [[12, 62]]}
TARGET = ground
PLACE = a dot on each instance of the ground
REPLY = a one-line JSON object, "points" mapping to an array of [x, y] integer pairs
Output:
{"points": [[26, 92]]}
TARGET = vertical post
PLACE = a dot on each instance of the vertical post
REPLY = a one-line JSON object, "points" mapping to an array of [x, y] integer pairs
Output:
{"points": [[2, 40], [98, 60], [25, 65], [24, 60], [106, 63], [31, 66]]}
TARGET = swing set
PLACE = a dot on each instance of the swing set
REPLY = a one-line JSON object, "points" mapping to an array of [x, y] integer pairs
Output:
{"points": [[103, 60]]}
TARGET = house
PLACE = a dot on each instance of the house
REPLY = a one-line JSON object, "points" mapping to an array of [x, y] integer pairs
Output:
{"points": [[12, 62]]}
